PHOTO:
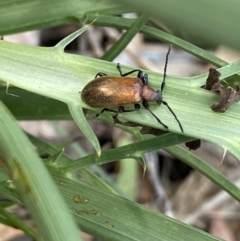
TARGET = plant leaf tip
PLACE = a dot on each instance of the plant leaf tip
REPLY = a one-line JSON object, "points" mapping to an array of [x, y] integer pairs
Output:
{"points": [[99, 153]]}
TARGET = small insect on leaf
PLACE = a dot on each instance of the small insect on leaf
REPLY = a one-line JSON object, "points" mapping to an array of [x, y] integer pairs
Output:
{"points": [[107, 92]]}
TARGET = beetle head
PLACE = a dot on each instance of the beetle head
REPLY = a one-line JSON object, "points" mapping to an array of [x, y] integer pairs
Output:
{"points": [[143, 77], [158, 97]]}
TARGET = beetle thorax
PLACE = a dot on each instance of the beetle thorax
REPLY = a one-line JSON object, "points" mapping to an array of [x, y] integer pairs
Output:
{"points": [[150, 94]]}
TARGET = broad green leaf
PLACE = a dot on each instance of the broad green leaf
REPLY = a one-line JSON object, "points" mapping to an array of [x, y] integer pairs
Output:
{"points": [[17, 16], [202, 22], [46, 70]]}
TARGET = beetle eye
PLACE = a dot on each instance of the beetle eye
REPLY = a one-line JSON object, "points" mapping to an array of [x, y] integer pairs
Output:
{"points": [[158, 97], [145, 77]]}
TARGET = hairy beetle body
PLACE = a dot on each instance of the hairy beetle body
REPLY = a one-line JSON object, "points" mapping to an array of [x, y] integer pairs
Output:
{"points": [[112, 91], [108, 91]]}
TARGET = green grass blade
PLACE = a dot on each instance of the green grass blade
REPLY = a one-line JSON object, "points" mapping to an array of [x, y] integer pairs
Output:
{"points": [[17, 16], [125, 23], [207, 170], [50, 69], [112, 217], [203, 22], [128, 151], [34, 183], [17, 223], [85, 174], [41, 108], [124, 40]]}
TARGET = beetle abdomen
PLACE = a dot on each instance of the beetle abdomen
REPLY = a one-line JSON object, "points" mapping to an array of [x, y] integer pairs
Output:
{"points": [[110, 91]]}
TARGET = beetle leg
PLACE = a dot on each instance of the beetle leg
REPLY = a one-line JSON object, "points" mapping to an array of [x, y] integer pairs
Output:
{"points": [[140, 73], [121, 109], [105, 109], [146, 106], [100, 74], [137, 107]]}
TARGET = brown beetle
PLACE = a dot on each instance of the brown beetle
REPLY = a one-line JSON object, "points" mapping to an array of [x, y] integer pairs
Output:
{"points": [[111, 91]]}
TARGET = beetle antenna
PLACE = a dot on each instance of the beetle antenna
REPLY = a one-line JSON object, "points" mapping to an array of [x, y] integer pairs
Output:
{"points": [[166, 127], [165, 67], [180, 125], [146, 106]]}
